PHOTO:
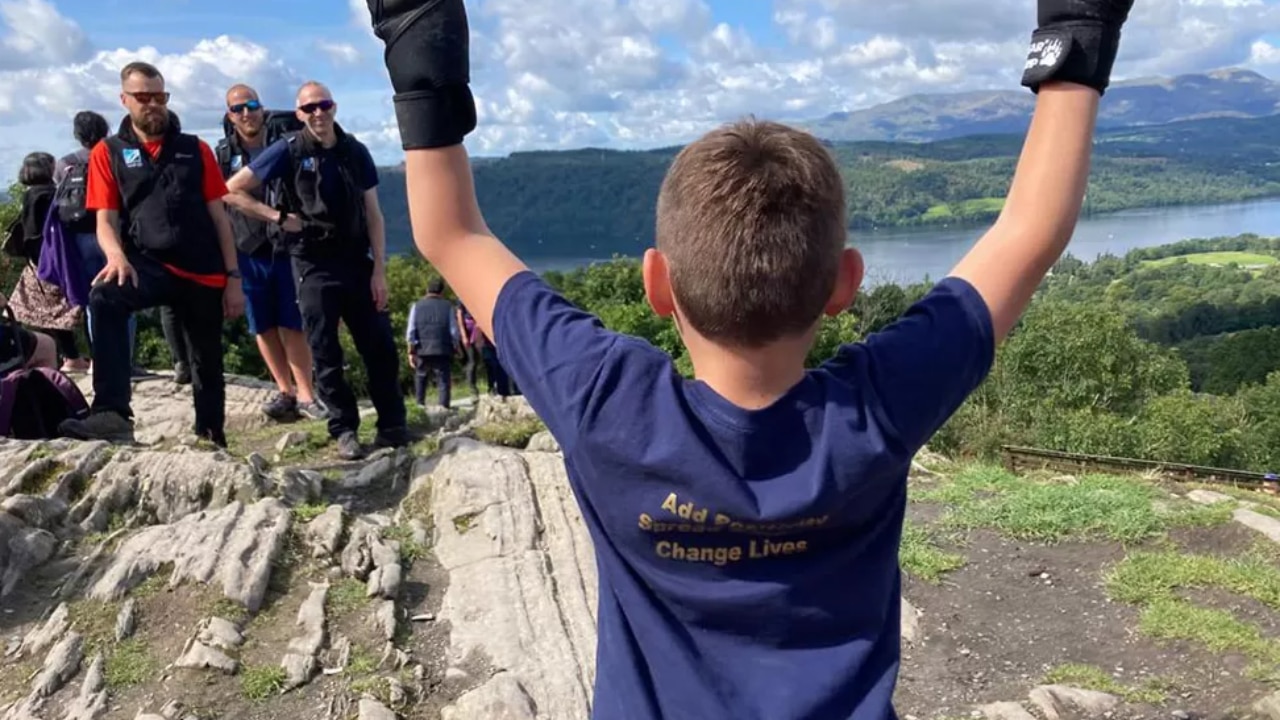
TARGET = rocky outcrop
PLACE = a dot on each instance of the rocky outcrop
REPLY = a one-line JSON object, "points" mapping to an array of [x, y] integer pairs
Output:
{"points": [[521, 580]]}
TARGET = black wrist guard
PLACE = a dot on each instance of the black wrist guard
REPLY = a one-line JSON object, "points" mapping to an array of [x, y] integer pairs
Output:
{"points": [[435, 118], [1080, 52]]}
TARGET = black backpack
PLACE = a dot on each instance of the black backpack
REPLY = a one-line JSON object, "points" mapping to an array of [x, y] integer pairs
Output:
{"points": [[70, 197], [276, 124]]}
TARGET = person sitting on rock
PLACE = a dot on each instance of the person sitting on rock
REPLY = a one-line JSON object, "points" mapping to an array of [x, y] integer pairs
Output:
{"points": [[746, 522], [158, 194]]}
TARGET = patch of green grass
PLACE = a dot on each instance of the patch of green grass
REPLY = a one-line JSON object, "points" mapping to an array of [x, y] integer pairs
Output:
{"points": [[515, 433], [426, 447], [920, 555], [1151, 579], [345, 596], [964, 210], [410, 549], [361, 662], [228, 609], [1243, 259], [258, 682], [95, 621], [466, 521], [1046, 509], [310, 511], [1089, 677], [129, 663], [41, 476]]}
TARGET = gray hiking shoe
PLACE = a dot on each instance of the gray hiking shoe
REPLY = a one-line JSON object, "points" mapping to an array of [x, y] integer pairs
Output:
{"points": [[106, 425], [349, 447], [281, 407], [313, 410]]}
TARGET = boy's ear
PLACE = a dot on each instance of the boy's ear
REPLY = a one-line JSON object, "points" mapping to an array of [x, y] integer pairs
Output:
{"points": [[657, 283], [848, 280]]}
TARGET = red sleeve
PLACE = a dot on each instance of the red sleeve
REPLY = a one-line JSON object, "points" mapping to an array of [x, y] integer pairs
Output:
{"points": [[100, 191], [214, 186]]}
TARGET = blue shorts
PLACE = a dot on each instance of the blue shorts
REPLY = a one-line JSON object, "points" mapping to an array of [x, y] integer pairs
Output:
{"points": [[270, 298]]}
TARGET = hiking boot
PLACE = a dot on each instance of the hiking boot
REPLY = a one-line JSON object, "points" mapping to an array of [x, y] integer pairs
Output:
{"points": [[281, 407], [349, 447], [182, 373], [394, 437], [106, 425], [313, 410]]}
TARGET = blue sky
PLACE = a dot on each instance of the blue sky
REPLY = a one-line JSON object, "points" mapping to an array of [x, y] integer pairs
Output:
{"points": [[573, 73]]}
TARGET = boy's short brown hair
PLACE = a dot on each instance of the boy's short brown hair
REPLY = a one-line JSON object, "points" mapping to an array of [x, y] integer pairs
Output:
{"points": [[751, 219]]}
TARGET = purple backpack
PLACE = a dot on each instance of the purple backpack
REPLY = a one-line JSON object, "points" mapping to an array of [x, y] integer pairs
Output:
{"points": [[60, 260], [34, 401]]}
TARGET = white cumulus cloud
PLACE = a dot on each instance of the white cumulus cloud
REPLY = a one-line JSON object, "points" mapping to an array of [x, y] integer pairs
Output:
{"points": [[620, 73]]}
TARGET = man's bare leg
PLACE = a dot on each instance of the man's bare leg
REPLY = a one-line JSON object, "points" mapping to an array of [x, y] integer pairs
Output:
{"points": [[273, 353], [295, 347]]}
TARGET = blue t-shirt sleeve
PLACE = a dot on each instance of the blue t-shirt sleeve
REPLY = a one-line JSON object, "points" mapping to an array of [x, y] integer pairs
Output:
{"points": [[922, 367], [553, 350], [271, 163]]}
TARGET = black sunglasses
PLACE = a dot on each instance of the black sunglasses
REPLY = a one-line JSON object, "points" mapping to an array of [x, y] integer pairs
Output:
{"points": [[250, 105], [310, 108]]}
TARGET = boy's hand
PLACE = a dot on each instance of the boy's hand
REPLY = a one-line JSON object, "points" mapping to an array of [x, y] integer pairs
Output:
{"points": [[428, 58], [1076, 42]]}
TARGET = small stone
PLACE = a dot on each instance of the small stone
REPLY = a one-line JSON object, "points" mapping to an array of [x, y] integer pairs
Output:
{"points": [[424, 617]]}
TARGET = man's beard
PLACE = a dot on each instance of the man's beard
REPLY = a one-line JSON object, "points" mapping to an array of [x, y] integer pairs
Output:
{"points": [[152, 124]]}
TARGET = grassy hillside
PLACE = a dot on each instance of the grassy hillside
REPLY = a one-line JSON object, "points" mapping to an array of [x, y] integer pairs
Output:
{"points": [[600, 202]]}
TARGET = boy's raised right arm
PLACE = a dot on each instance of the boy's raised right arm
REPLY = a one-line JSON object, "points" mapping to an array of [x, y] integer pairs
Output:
{"points": [[1069, 66]]}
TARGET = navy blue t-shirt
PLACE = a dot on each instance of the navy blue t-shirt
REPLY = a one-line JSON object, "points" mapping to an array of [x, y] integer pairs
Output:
{"points": [[748, 559], [274, 162]]}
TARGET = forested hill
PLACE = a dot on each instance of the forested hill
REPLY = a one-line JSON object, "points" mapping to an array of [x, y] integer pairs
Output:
{"points": [[597, 203]]}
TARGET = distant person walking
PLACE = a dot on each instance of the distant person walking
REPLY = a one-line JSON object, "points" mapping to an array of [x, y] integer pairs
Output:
{"points": [[432, 337], [467, 330]]}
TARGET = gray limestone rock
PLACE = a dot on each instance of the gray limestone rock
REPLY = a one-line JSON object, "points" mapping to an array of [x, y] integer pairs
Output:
{"points": [[324, 532], [60, 665], [235, 546], [371, 709], [502, 697], [1053, 701]]}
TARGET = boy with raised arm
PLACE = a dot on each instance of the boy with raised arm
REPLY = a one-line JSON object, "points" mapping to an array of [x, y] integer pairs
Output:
{"points": [[746, 523]]}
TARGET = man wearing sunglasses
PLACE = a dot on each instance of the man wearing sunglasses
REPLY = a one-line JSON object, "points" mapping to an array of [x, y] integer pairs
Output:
{"points": [[271, 301], [157, 194], [334, 229]]}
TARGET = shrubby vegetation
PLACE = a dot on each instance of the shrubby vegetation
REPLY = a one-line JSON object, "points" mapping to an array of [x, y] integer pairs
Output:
{"points": [[1169, 353]]}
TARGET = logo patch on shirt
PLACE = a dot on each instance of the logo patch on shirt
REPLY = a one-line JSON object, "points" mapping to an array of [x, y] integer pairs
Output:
{"points": [[132, 157], [183, 156], [309, 164], [237, 162]]}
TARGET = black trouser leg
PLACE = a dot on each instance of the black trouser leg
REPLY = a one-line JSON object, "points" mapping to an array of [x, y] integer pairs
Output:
{"points": [[197, 317], [472, 367], [321, 295], [375, 341], [420, 380], [66, 342], [438, 368], [112, 304], [169, 324]]}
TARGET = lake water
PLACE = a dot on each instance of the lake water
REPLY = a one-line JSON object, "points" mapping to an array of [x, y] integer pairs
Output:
{"points": [[910, 255]]}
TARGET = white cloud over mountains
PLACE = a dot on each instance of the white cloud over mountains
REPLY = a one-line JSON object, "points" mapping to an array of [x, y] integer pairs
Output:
{"points": [[620, 73]]}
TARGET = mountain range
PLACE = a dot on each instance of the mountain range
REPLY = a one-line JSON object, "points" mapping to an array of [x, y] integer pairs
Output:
{"points": [[1228, 92]]}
